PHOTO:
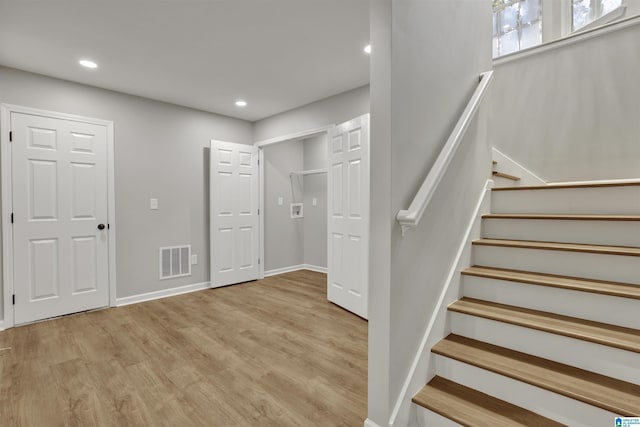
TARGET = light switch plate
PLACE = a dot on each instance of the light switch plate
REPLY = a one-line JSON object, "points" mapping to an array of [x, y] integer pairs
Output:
{"points": [[153, 204], [194, 259], [314, 201], [280, 201]]}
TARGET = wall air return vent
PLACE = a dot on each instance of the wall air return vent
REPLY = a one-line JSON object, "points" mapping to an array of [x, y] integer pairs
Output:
{"points": [[175, 261]]}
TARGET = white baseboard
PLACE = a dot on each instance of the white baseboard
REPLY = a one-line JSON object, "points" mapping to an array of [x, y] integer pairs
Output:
{"points": [[369, 423], [164, 293], [1, 325], [420, 360], [507, 165], [315, 268], [283, 270]]}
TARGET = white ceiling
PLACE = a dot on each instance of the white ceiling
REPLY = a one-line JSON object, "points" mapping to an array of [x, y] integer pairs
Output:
{"points": [[205, 54]]}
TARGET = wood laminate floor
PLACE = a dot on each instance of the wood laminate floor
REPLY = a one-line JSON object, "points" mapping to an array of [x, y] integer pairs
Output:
{"points": [[267, 353]]}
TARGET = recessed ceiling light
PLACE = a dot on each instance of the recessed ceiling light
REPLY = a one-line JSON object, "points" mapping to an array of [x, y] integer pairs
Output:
{"points": [[88, 64], [241, 103], [367, 49]]}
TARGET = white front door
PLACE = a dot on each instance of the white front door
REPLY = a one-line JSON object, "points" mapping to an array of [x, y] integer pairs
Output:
{"points": [[59, 191], [234, 213], [348, 207]]}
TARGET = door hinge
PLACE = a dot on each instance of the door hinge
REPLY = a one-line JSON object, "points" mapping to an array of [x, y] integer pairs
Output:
{"points": [[14, 299], [10, 136], [258, 211], [11, 217], [108, 226], [258, 261]]}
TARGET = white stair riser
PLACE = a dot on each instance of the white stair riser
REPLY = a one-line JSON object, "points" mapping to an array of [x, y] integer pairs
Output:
{"points": [[612, 233], [622, 200], [427, 418], [583, 305], [615, 268], [551, 405], [601, 359]]}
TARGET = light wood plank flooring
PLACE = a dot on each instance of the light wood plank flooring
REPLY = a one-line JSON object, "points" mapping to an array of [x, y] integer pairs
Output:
{"points": [[267, 353]]}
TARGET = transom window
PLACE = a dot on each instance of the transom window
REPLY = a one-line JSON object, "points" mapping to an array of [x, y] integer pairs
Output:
{"points": [[517, 25], [586, 11]]}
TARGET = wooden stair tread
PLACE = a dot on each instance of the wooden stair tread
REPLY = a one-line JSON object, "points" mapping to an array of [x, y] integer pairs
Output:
{"points": [[470, 407], [619, 397], [506, 175], [623, 290], [564, 217], [587, 330], [559, 186], [570, 247]]}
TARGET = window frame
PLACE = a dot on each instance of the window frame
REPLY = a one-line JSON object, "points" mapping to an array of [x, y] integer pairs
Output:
{"points": [[557, 22], [601, 20], [519, 26]]}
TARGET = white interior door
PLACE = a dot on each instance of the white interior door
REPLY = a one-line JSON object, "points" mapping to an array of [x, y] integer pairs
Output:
{"points": [[234, 213], [59, 188], [348, 207]]}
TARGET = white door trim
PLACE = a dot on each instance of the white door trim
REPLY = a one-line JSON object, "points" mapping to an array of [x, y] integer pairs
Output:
{"points": [[261, 144], [261, 211], [296, 135], [6, 205]]}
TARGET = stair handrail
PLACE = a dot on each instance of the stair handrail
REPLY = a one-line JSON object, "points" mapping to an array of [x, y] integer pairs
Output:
{"points": [[409, 218]]}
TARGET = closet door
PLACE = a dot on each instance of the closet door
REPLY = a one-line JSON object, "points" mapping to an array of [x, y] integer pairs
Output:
{"points": [[348, 208], [233, 213]]}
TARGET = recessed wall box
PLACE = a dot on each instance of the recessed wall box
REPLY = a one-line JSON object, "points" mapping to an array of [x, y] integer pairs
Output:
{"points": [[297, 210]]}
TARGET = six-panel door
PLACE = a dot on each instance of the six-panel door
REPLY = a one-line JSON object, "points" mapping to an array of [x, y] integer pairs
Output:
{"points": [[233, 213], [348, 226], [59, 190]]}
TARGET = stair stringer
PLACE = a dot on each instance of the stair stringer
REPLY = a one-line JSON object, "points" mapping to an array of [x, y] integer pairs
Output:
{"points": [[423, 367]]}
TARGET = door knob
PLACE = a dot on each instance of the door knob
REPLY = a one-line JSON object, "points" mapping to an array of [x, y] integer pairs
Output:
{"points": [[100, 226]]}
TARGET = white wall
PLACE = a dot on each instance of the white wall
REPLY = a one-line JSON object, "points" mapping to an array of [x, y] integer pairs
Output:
{"points": [[382, 221], [283, 235], [315, 217], [421, 80], [161, 151], [571, 113], [329, 111], [633, 9]]}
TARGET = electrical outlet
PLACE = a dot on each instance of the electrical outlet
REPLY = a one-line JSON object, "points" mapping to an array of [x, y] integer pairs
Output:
{"points": [[194, 259], [280, 201], [314, 201], [153, 204]]}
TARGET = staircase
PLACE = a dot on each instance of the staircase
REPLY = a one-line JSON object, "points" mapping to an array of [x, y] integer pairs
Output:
{"points": [[547, 332]]}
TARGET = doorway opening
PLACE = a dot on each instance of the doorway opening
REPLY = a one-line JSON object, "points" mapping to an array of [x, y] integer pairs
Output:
{"points": [[292, 179], [295, 205]]}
